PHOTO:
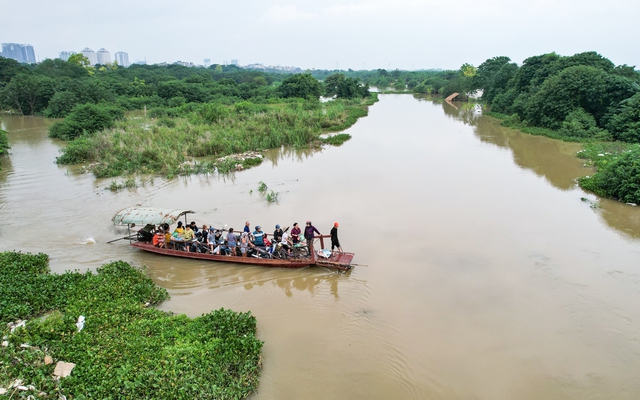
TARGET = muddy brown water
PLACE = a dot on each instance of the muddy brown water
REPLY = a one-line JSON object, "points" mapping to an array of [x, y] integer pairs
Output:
{"points": [[487, 277]]}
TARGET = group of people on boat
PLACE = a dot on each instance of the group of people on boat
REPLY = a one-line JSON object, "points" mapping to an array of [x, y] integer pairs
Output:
{"points": [[208, 239]]}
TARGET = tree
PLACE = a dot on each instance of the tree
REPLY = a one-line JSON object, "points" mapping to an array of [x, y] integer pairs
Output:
{"points": [[302, 86], [85, 119], [468, 70], [61, 104], [625, 123], [10, 68], [83, 61], [27, 93]]}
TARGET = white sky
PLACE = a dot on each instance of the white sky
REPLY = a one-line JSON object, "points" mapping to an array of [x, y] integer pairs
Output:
{"points": [[365, 34]]}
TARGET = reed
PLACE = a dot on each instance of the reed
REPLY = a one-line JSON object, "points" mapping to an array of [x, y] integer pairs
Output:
{"points": [[191, 138]]}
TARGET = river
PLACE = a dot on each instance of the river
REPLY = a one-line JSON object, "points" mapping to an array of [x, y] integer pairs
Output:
{"points": [[483, 274]]}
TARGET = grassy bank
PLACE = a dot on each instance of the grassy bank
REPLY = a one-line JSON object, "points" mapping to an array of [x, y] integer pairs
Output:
{"points": [[191, 138], [125, 349]]}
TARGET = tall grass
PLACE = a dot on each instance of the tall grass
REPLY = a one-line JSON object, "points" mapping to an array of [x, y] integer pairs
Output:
{"points": [[197, 135]]}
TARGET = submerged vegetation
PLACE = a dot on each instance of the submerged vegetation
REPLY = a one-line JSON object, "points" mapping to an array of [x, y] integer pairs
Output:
{"points": [[123, 349]]}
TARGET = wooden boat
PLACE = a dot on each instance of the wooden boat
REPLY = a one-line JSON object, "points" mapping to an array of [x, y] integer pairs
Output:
{"points": [[150, 217]]}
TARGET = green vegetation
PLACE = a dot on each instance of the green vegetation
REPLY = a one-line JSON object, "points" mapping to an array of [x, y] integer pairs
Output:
{"points": [[582, 98], [618, 170], [4, 143], [200, 134], [262, 187], [86, 119], [194, 117], [345, 88], [129, 183], [421, 82], [125, 349]]}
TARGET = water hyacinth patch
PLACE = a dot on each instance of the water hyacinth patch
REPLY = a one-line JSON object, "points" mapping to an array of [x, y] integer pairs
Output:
{"points": [[125, 349]]}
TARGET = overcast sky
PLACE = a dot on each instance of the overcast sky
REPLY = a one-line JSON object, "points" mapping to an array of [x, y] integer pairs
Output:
{"points": [[364, 34]]}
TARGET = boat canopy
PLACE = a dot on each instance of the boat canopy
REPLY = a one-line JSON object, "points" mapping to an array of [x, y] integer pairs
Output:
{"points": [[148, 215]]}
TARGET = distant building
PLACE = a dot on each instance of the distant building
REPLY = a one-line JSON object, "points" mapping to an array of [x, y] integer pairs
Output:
{"points": [[103, 56], [122, 59], [22, 53], [91, 55], [64, 55], [234, 62], [141, 62], [207, 62]]}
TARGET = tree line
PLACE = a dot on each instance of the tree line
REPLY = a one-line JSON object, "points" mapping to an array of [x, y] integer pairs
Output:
{"points": [[53, 88]]}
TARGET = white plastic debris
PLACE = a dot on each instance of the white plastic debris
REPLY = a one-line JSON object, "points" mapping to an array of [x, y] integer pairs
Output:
{"points": [[5, 343], [3, 391], [80, 323], [15, 325], [25, 346], [63, 369]]}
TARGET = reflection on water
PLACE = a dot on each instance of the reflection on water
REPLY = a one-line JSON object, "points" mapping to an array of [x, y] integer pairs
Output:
{"points": [[487, 277]]}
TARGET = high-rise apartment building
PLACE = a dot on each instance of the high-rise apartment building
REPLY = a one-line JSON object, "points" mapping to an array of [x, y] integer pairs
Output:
{"points": [[103, 56], [22, 53], [122, 59], [64, 55], [234, 62], [91, 55]]}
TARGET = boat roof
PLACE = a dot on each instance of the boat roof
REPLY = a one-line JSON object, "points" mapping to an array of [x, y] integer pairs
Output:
{"points": [[148, 215]]}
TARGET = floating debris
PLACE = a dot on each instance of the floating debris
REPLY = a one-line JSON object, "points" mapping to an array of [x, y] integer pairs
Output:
{"points": [[63, 369], [80, 323]]}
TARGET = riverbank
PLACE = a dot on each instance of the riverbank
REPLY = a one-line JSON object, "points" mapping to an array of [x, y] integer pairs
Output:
{"points": [[103, 328], [616, 164], [194, 138]]}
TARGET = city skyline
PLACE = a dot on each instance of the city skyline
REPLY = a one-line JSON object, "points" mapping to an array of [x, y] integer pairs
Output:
{"points": [[365, 34]]}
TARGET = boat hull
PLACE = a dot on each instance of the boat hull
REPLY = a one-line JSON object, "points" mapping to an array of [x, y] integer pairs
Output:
{"points": [[341, 261]]}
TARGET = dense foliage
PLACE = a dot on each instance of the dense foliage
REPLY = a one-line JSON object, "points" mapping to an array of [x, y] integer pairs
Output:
{"points": [[581, 96], [54, 87], [344, 88], [170, 142], [86, 119], [618, 170], [125, 349], [4, 143], [421, 82]]}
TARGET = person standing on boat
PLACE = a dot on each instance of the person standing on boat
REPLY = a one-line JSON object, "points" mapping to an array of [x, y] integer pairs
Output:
{"points": [[309, 230], [188, 237], [335, 243], [232, 242], [295, 233], [244, 243], [247, 228], [277, 237], [258, 236]]}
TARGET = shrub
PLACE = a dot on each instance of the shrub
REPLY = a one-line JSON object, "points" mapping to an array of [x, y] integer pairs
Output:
{"points": [[4, 143], [86, 119], [581, 124], [618, 179], [61, 104]]}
